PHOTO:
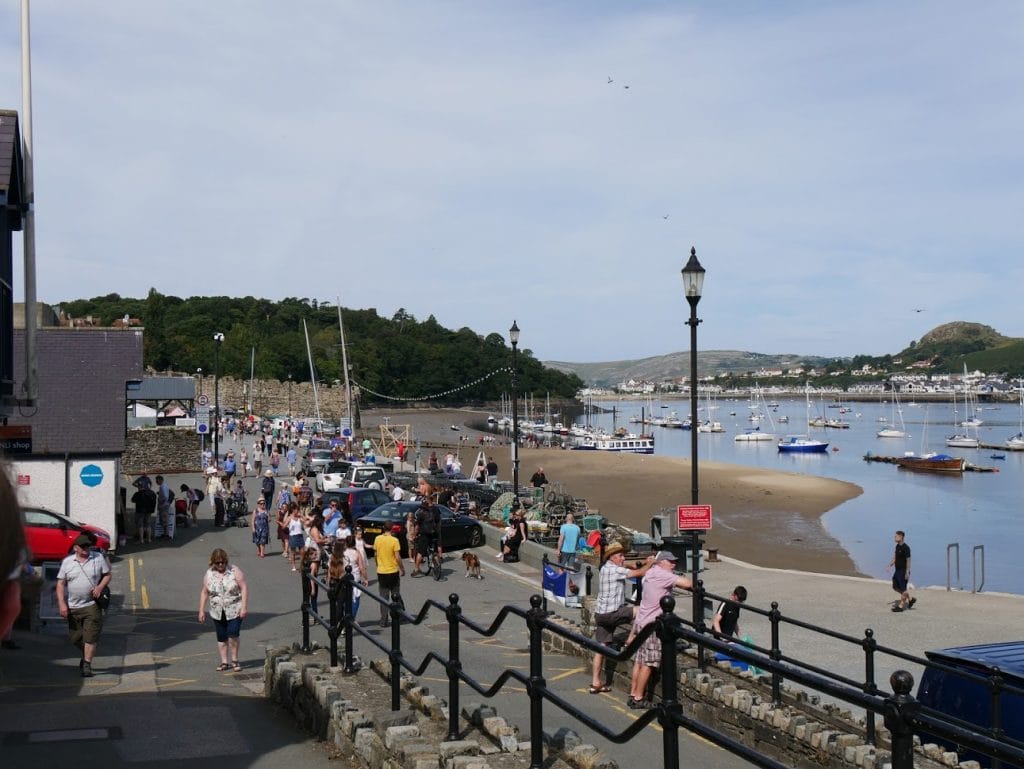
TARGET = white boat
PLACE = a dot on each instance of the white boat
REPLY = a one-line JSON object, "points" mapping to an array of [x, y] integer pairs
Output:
{"points": [[962, 440], [1016, 442], [803, 444], [753, 436], [897, 413], [710, 426], [628, 444]]}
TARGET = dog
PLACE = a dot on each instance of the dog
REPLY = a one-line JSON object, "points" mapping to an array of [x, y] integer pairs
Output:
{"points": [[472, 565]]}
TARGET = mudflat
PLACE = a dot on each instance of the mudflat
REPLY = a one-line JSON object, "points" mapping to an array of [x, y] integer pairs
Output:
{"points": [[763, 517]]}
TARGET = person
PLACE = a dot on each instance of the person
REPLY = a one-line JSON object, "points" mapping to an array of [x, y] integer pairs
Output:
{"points": [[658, 582], [311, 562], [227, 593], [212, 486], [275, 461], [332, 518], [480, 473], [80, 581], [538, 480], [727, 619], [292, 457], [296, 537], [145, 505], [261, 527], [513, 541], [611, 612], [428, 533], [492, 471], [390, 569], [193, 497], [568, 542], [353, 558], [142, 482], [267, 487], [230, 466], [432, 466], [900, 564], [397, 495], [283, 513], [304, 496], [243, 461], [13, 558], [257, 458], [164, 498]]}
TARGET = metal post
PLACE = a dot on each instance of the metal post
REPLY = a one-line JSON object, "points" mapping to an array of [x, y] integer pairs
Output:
{"points": [[899, 710], [217, 339], [332, 620], [698, 625], [514, 336], [667, 632], [396, 655], [870, 687], [543, 570], [775, 616], [347, 585], [454, 666], [693, 297], [304, 576], [537, 684]]}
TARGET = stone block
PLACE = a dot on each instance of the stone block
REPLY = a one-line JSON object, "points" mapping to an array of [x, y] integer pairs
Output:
{"points": [[509, 743], [465, 762], [459, 748], [492, 724], [820, 739], [475, 713], [844, 741], [950, 759], [353, 720], [421, 762], [388, 718], [742, 700], [565, 739], [395, 735]]}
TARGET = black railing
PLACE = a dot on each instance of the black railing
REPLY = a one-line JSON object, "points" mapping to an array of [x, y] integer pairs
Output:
{"points": [[902, 714]]}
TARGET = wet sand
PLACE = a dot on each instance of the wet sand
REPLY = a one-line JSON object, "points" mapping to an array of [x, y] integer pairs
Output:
{"points": [[763, 517]]}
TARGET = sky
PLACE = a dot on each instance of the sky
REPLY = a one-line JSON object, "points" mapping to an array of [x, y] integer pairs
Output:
{"points": [[837, 166]]}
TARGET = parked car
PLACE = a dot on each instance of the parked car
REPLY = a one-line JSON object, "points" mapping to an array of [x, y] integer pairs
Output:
{"points": [[333, 476], [49, 535], [369, 476], [457, 530], [315, 460], [360, 500]]}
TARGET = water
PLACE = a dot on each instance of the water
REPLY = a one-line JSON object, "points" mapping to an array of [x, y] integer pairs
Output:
{"points": [[935, 510]]}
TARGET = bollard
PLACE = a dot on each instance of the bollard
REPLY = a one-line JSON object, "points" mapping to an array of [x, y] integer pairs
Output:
{"points": [[776, 653], [304, 578], [537, 683], [870, 645], [899, 710], [454, 667]]}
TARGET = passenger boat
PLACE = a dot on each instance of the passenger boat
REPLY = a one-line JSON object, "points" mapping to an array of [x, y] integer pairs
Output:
{"points": [[932, 463], [628, 444]]}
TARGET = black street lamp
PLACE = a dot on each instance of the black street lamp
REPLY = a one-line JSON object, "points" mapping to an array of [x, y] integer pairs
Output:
{"points": [[513, 335], [218, 338], [199, 376], [693, 284]]}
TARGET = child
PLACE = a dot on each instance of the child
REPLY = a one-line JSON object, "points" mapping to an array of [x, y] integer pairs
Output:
{"points": [[727, 619]]}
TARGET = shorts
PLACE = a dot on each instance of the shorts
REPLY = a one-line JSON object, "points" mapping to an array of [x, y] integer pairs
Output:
{"points": [[227, 628], [85, 624], [426, 544], [649, 653], [143, 521], [296, 541], [567, 559], [899, 581], [607, 623]]}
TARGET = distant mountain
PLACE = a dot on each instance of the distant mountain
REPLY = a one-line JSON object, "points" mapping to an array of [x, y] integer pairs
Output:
{"points": [[677, 364], [948, 347]]}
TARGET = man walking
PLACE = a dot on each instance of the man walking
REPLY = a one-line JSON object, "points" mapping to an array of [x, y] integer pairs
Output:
{"points": [[80, 581], [900, 564], [145, 505], [568, 542], [164, 513], [658, 583], [611, 611], [390, 569]]}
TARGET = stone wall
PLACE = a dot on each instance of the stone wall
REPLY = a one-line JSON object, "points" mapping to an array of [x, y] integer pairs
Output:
{"points": [[161, 450], [270, 396]]}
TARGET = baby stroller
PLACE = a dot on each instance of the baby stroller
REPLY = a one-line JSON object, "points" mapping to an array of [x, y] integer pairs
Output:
{"points": [[235, 511]]}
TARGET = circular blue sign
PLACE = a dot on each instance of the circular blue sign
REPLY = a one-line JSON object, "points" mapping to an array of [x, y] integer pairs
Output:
{"points": [[202, 427], [91, 475], [347, 432]]}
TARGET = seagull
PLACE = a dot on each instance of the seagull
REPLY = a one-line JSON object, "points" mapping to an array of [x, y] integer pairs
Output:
{"points": [[665, 216], [626, 87], [610, 81], [918, 309]]}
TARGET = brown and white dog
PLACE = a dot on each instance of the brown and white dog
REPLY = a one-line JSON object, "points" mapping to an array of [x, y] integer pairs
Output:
{"points": [[472, 565]]}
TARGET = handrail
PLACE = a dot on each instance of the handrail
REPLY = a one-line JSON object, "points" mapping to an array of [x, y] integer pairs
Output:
{"points": [[949, 547], [901, 713], [975, 587]]}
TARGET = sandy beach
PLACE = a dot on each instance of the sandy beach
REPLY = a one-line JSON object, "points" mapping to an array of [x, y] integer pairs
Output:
{"points": [[767, 518]]}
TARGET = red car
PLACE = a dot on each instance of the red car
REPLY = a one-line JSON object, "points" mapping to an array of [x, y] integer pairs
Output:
{"points": [[49, 535]]}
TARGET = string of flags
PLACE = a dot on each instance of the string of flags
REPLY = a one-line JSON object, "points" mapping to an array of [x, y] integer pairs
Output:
{"points": [[435, 396]]}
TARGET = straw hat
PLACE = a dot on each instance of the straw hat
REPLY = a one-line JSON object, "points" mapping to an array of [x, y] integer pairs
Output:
{"points": [[269, 473], [613, 549]]}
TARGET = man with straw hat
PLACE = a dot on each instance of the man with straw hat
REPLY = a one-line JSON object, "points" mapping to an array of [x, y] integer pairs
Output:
{"points": [[611, 610]]}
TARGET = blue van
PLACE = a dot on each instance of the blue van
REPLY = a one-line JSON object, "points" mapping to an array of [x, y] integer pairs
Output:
{"points": [[968, 698]]}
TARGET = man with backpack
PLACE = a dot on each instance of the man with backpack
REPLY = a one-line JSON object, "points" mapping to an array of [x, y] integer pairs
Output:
{"points": [[428, 533]]}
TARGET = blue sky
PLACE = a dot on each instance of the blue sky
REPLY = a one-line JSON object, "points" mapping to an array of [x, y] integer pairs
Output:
{"points": [[836, 165]]}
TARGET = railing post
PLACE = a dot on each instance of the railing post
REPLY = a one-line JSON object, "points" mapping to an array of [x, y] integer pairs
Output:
{"points": [[304, 577], [698, 621], [995, 682], [395, 655], [899, 711], [590, 580], [667, 631], [776, 653], [454, 667], [347, 588], [870, 645], [537, 683], [332, 622], [543, 571]]}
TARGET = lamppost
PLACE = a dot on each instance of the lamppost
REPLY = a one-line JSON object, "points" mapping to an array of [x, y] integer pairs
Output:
{"points": [[513, 335], [693, 283], [199, 376], [218, 338], [289, 396]]}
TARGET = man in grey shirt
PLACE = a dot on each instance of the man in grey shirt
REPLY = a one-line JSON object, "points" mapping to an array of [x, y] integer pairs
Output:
{"points": [[80, 581]]}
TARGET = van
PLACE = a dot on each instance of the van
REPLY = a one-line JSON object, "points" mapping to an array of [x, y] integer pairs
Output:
{"points": [[968, 697]]}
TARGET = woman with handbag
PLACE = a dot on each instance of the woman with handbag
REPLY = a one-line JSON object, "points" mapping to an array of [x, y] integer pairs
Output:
{"points": [[225, 589]]}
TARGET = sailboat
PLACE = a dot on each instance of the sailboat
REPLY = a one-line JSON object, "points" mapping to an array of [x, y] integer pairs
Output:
{"points": [[710, 425], [963, 440], [754, 434], [803, 444], [892, 431], [1017, 441]]}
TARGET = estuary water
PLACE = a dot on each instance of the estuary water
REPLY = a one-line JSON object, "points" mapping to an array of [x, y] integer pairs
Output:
{"points": [[935, 510]]}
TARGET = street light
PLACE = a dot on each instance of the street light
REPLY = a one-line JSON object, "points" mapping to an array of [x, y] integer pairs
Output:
{"points": [[513, 335], [289, 396], [199, 376], [693, 283], [218, 338]]}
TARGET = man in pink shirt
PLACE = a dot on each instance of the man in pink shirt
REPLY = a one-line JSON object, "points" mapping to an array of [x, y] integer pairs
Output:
{"points": [[659, 582]]}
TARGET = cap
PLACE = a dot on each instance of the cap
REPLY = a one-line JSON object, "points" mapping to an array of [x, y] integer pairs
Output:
{"points": [[613, 549], [665, 555], [269, 473], [396, 529], [84, 540]]}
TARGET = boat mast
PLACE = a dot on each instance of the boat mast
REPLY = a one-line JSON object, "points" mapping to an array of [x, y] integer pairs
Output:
{"points": [[252, 376], [344, 365], [312, 371]]}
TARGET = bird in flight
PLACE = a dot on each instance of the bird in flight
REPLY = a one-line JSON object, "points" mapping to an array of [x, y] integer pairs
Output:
{"points": [[921, 309], [665, 216], [610, 81]]}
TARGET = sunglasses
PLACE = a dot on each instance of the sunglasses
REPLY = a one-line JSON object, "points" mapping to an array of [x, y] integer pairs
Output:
{"points": [[220, 563]]}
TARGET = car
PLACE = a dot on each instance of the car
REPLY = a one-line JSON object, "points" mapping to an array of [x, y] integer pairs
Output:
{"points": [[360, 500], [333, 476], [457, 530], [50, 535], [315, 460], [368, 476]]}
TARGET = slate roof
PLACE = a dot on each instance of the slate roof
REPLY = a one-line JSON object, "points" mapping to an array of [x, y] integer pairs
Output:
{"points": [[83, 374], [11, 181], [164, 388]]}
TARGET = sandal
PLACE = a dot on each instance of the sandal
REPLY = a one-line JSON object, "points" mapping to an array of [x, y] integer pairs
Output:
{"points": [[236, 667], [599, 689], [223, 667]]}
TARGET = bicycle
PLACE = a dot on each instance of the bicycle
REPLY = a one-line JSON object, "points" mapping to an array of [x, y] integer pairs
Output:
{"points": [[436, 560]]}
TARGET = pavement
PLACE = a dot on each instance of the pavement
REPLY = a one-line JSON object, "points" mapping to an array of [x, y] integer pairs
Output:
{"points": [[157, 698]]}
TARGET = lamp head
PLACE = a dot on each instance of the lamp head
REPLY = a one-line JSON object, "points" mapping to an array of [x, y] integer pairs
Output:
{"points": [[218, 337], [513, 334], [693, 278]]}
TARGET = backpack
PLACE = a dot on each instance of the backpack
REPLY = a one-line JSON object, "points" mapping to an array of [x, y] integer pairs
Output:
{"points": [[267, 485], [428, 520], [200, 496]]}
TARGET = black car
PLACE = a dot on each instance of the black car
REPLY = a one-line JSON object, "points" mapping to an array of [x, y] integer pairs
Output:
{"points": [[457, 530], [360, 501]]}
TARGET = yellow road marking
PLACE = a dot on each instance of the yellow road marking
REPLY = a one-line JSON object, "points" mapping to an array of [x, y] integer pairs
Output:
{"points": [[145, 597], [131, 574], [566, 674]]}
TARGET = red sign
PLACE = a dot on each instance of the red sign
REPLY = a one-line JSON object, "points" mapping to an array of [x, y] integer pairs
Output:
{"points": [[24, 480], [694, 517]]}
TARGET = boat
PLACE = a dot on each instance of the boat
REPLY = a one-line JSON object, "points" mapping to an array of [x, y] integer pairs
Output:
{"points": [[962, 440], [931, 463], [754, 435], [803, 444], [897, 412], [1016, 442], [628, 444], [997, 456]]}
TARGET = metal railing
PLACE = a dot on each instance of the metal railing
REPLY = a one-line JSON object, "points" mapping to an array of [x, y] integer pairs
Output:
{"points": [[902, 714]]}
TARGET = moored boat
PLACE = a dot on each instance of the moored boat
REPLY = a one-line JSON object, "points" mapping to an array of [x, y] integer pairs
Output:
{"points": [[628, 444], [802, 444], [932, 463]]}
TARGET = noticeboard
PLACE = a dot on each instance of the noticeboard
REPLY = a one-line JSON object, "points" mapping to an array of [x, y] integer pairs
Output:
{"points": [[694, 517]]}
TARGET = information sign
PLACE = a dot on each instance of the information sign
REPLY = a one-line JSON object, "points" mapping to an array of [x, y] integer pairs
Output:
{"points": [[694, 517]]}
